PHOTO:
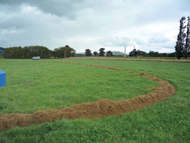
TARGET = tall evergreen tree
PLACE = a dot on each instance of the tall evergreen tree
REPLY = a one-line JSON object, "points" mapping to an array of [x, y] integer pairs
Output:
{"points": [[187, 44], [180, 39]]}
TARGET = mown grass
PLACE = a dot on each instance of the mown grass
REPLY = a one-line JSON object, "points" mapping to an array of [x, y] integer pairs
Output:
{"points": [[39, 85], [167, 121]]}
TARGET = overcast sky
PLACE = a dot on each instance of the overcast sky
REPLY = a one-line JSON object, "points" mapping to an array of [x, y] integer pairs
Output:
{"points": [[92, 24]]}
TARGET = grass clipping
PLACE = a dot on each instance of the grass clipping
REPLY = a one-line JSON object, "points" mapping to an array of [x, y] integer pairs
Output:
{"points": [[97, 109]]}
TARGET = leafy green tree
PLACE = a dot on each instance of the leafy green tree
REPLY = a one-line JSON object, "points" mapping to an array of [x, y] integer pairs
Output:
{"points": [[156, 54], [55, 52], [133, 53], [153, 54], [163, 55], [101, 53], [180, 39], [172, 54], [1, 48], [109, 54], [88, 52], [95, 53], [13, 53], [141, 53], [32, 51], [26, 53], [64, 52]]}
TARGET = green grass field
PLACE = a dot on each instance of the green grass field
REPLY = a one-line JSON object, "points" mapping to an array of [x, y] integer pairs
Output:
{"points": [[40, 85]]}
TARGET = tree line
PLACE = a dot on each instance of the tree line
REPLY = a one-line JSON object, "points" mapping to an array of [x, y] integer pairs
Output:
{"points": [[139, 53], [133, 53], [101, 52], [28, 52]]}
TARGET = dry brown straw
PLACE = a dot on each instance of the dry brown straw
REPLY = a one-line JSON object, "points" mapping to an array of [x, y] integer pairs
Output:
{"points": [[97, 109]]}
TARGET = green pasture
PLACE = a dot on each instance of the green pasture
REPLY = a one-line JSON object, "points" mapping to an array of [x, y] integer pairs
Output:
{"points": [[39, 85]]}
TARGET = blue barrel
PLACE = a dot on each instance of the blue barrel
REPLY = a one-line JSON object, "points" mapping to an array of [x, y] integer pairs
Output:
{"points": [[1, 51], [2, 78]]}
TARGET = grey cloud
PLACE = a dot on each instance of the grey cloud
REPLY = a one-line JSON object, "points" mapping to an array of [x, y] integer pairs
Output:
{"points": [[11, 2], [14, 21], [62, 8]]}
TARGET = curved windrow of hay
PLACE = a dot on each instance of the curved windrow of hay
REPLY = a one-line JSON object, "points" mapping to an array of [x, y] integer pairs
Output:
{"points": [[97, 109], [111, 68]]}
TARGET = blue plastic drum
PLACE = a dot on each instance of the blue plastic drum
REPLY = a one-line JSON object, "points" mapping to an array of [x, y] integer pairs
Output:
{"points": [[2, 78]]}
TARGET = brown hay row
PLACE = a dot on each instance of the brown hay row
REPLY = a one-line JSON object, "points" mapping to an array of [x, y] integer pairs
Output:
{"points": [[112, 68], [97, 109]]}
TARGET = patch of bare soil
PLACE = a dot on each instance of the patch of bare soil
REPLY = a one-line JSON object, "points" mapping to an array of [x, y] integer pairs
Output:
{"points": [[97, 109]]}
